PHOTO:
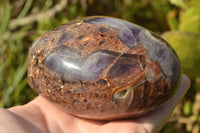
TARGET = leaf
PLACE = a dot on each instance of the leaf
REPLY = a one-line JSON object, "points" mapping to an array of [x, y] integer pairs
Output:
{"points": [[187, 46], [191, 25], [187, 108], [5, 17], [194, 3], [172, 20], [179, 3], [190, 12], [190, 20]]}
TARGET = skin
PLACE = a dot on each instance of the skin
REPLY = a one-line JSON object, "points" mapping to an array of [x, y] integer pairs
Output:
{"points": [[42, 116]]}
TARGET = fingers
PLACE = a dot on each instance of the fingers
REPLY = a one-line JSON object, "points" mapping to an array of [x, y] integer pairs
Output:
{"points": [[154, 121], [149, 123]]}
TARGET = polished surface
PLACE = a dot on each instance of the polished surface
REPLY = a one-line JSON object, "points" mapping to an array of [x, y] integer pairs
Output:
{"points": [[103, 68]]}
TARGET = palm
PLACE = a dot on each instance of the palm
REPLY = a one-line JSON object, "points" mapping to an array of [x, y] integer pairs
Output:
{"points": [[40, 115]]}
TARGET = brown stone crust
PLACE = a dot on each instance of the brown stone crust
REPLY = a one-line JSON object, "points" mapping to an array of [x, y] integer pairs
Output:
{"points": [[116, 93]]}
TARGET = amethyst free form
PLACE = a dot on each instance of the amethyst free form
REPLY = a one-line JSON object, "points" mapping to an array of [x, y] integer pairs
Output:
{"points": [[103, 68]]}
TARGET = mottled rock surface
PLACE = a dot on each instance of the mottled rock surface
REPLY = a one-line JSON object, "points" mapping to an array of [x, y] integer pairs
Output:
{"points": [[103, 68]]}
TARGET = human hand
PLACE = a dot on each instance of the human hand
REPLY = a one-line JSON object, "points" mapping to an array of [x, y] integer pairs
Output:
{"points": [[41, 115]]}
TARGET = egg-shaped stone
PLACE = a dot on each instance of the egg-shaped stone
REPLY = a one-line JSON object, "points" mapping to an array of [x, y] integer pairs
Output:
{"points": [[103, 68]]}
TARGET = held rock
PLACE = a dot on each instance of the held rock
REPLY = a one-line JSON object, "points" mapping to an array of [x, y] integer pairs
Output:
{"points": [[103, 68]]}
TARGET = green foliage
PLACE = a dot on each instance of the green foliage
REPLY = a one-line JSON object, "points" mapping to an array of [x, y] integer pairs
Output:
{"points": [[22, 21], [6, 16], [188, 19], [185, 35], [179, 3], [187, 108], [148, 13], [187, 46]]}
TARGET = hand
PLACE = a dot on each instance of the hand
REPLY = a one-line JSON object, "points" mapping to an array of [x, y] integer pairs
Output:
{"points": [[41, 115]]}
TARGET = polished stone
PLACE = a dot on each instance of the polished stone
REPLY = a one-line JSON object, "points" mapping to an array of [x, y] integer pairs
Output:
{"points": [[103, 68]]}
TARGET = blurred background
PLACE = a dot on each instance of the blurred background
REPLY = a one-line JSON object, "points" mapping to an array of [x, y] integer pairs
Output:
{"points": [[178, 21]]}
